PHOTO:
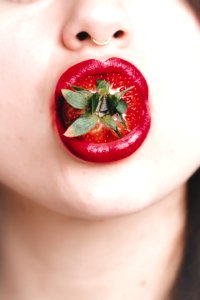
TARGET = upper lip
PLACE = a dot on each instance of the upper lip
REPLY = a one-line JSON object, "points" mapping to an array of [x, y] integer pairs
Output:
{"points": [[89, 57], [103, 65]]}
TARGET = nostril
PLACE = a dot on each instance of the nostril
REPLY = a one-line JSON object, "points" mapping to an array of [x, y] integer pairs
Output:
{"points": [[83, 35], [118, 34]]}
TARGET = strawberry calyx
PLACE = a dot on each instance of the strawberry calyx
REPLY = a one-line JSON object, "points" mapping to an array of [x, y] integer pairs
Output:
{"points": [[98, 107]]}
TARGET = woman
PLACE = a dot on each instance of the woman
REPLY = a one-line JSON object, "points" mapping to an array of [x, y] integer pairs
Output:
{"points": [[73, 229]]}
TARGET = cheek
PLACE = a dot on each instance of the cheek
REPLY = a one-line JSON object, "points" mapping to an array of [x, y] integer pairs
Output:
{"points": [[24, 90], [169, 52], [28, 43], [175, 89]]}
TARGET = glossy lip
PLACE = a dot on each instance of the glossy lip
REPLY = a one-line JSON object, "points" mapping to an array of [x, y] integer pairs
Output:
{"points": [[115, 150]]}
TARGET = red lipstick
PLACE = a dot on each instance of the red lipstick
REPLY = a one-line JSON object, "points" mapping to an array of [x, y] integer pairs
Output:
{"points": [[102, 144]]}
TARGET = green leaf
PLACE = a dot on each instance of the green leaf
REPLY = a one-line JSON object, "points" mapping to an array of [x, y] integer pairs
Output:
{"points": [[76, 99], [120, 94], [122, 106], [86, 94], [82, 91], [122, 121], [81, 125], [108, 120], [94, 102], [102, 86]]}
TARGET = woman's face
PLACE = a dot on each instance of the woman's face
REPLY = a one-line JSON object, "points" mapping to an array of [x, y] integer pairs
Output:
{"points": [[38, 43]]}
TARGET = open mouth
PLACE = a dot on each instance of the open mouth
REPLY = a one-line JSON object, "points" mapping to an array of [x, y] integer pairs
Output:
{"points": [[102, 112]]}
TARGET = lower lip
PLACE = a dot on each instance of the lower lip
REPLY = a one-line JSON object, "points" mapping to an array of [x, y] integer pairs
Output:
{"points": [[117, 149]]}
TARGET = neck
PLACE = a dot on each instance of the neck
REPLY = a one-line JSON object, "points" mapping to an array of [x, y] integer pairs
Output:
{"points": [[49, 256]]}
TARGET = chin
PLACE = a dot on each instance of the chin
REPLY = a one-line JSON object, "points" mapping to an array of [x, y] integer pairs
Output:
{"points": [[102, 198]]}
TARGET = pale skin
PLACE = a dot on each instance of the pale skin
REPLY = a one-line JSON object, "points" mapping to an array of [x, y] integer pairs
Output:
{"points": [[75, 230]]}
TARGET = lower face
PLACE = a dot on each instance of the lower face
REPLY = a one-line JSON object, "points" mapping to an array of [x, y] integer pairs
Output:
{"points": [[34, 162]]}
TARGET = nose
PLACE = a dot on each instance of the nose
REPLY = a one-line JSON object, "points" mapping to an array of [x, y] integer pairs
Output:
{"points": [[96, 23]]}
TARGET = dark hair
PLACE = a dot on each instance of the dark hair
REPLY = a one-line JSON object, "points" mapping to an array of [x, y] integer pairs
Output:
{"points": [[195, 5]]}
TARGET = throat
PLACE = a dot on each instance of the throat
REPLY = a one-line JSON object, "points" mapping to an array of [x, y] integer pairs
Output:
{"points": [[115, 257]]}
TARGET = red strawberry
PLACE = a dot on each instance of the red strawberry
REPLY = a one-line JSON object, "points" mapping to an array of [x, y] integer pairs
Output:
{"points": [[102, 116]]}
